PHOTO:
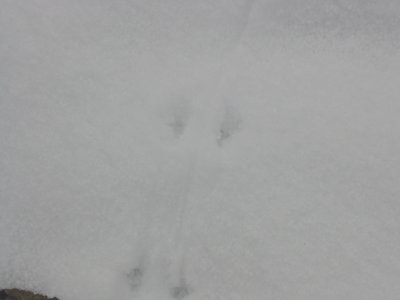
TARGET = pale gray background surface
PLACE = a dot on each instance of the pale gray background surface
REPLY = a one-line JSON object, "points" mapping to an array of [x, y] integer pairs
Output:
{"points": [[217, 149]]}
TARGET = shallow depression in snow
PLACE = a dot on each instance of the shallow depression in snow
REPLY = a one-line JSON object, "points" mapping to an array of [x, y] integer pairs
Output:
{"points": [[200, 149]]}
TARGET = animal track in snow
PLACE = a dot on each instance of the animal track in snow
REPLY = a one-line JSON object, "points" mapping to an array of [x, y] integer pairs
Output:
{"points": [[135, 277], [179, 114], [229, 125], [180, 292]]}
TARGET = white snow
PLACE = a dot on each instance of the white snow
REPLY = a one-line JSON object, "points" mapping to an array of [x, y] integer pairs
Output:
{"points": [[219, 149]]}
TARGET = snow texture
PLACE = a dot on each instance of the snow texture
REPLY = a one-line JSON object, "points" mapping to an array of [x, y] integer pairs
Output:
{"points": [[170, 149]]}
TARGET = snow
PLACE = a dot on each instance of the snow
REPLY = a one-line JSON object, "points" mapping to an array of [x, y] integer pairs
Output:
{"points": [[200, 149]]}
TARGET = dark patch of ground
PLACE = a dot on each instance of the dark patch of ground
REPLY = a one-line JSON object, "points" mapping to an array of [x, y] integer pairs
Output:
{"points": [[17, 294]]}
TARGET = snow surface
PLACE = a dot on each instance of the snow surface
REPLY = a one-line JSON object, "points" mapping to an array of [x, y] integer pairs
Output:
{"points": [[163, 149]]}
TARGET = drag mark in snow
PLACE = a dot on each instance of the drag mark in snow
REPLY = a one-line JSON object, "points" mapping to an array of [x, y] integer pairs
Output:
{"points": [[181, 289]]}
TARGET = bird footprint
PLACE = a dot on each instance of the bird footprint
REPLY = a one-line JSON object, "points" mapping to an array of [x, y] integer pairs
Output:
{"points": [[178, 119], [135, 277], [229, 125]]}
